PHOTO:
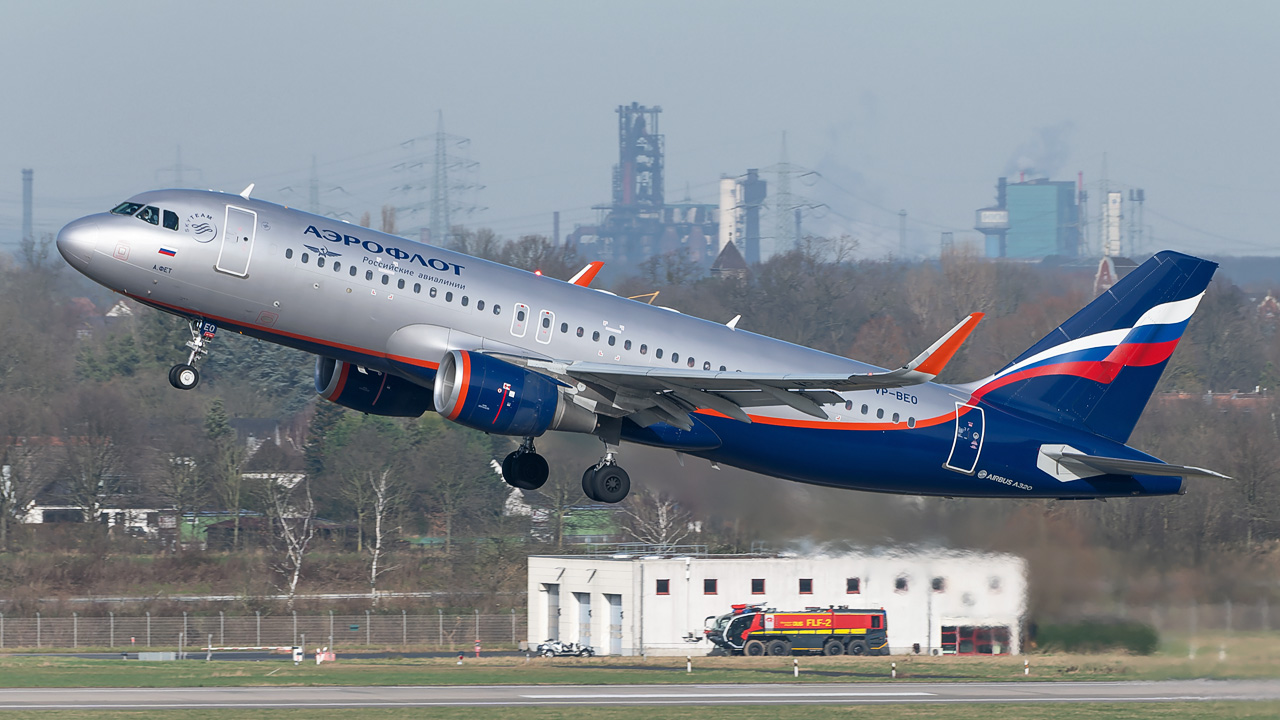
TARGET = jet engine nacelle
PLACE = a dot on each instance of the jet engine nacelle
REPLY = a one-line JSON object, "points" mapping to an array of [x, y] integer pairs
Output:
{"points": [[370, 391], [495, 396]]}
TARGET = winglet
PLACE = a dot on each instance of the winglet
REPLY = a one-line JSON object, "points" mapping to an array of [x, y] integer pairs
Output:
{"points": [[932, 361], [733, 324], [587, 274], [245, 193]]}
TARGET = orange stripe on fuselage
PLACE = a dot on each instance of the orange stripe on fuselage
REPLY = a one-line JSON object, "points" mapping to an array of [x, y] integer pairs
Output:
{"points": [[417, 362]]}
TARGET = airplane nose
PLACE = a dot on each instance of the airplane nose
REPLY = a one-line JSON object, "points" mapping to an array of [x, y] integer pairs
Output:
{"points": [[78, 240]]}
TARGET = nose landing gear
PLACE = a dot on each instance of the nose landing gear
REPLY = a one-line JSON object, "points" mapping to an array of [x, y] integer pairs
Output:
{"points": [[525, 468], [186, 376]]}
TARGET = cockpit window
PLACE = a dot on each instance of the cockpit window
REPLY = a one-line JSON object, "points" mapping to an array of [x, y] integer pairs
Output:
{"points": [[151, 214], [126, 208], [171, 220]]}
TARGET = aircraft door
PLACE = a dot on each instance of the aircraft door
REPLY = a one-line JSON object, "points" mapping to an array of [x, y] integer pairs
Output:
{"points": [[546, 321], [967, 446], [237, 241]]}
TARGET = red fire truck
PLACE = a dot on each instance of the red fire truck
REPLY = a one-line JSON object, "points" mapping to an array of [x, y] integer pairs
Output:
{"points": [[757, 630]]}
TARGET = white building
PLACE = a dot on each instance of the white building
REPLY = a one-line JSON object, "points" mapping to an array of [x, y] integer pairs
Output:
{"points": [[944, 601]]}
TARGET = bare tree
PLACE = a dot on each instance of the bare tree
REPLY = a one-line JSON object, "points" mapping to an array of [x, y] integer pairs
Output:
{"points": [[292, 512], [94, 430], [387, 495], [656, 519], [225, 458]]}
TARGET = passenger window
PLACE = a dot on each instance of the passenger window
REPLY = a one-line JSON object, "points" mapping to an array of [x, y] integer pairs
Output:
{"points": [[448, 297], [911, 422], [305, 257], [546, 322], [864, 409], [497, 309], [706, 366], [386, 279], [880, 414], [337, 266], [612, 340], [658, 353], [368, 274], [520, 315], [895, 418], [595, 336], [564, 327], [352, 273], [479, 304], [126, 208], [400, 284], [722, 368], [579, 331], [320, 261], [288, 254], [675, 357], [690, 363], [465, 300], [626, 345], [417, 288], [433, 291], [150, 214], [644, 349], [848, 404], [171, 220]]}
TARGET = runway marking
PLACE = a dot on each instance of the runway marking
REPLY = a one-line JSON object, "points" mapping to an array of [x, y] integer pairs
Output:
{"points": [[777, 695]]}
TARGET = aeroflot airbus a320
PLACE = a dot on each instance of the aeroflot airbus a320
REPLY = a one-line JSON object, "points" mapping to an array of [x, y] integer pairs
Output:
{"points": [[400, 328]]}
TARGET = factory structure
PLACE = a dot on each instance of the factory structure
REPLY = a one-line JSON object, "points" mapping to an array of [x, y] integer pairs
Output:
{"points": [[639, 223], [633, 603]]}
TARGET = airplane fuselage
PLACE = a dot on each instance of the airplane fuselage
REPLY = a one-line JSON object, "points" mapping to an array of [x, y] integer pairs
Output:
{"points": [[397, 306]]}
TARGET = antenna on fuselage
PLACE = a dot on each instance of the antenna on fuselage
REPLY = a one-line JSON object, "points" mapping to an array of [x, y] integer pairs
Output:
{"points": [[245, 193]]}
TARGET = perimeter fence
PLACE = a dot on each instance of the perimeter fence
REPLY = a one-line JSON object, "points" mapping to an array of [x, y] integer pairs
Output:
{"points": [[434, 630]]}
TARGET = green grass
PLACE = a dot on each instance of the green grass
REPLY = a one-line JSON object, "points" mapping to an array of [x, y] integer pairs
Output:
{"points": [[1038, 711]]}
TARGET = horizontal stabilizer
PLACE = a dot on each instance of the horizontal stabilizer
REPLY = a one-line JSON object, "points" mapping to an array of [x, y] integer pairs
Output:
{"points": [[1118, 466]]}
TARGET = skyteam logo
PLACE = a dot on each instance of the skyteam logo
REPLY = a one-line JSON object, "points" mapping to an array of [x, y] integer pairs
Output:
{"points": [[201, 227], [322, 251]]}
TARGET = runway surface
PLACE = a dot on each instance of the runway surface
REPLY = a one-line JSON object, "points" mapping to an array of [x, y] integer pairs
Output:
{"points": [[435, 696]]}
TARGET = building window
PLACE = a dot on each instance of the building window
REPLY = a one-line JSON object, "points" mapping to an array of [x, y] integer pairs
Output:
{"points": [[709, 586], [900, 585], [757, 586], [939, 584], [853, 586], [806, 586], [664, 587]]}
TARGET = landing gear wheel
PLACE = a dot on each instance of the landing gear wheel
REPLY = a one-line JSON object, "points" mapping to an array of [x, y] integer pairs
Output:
{"points": [[753, 648], [857, 647], [184, 377], [777, 648], [833, 647], [525, 470], [606, 484]]}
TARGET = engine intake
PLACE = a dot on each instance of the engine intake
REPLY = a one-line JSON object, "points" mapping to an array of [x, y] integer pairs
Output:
{"points": [[370, 391], [495, 396]]}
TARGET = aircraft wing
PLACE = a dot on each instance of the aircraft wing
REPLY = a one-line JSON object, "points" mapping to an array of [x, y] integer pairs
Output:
{"points": [[650, 394], [1118, 466]]}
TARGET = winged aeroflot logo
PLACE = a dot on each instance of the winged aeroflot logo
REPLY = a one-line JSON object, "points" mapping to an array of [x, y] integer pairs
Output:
{"points": [[322, 251]]}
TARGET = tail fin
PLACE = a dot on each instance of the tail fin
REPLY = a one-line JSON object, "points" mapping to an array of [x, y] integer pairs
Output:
{"points": [[1098, 369]]}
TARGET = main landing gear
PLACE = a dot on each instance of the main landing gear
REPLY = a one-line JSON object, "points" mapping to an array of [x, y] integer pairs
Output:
{"points": [[186, 376], [606, 482], [525, 468]]}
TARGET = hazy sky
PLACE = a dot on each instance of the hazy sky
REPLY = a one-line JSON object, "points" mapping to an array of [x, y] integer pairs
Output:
{"points": [[915, 105]]}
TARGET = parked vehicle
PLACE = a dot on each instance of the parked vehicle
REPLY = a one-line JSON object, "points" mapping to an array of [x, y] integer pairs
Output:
{"points": [[556, 648], [757, 630]]}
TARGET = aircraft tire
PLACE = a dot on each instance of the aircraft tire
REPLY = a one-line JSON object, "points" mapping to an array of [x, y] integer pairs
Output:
{"points": [[508, 470], [611, 484], [531, 470], [753, 648], [589, 483], [184, 377]]}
